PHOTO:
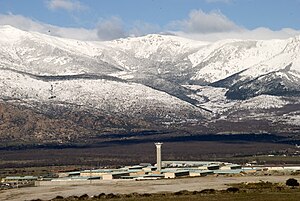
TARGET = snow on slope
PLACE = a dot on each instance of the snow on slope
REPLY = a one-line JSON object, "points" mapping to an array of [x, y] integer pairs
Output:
{"points": [[152, 53], [111, 97], [42, 54], [155, 54], [11, 36], [214, 99], [264, 102], [288, 59], [169, 56], [204, 61], [169, 60], [161, 47], [226, 58]]}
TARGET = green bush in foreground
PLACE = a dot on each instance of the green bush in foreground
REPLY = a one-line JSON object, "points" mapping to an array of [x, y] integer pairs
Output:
{"points": [[233, 190], [292, 182]]}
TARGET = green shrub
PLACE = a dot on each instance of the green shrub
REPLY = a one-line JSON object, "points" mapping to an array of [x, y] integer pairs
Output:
{"points": [[58, 198], [101, 195], [111, 195], [208, 191], [146, 195], [233, 190], [183, 192], [84, 197], [292, 182]]}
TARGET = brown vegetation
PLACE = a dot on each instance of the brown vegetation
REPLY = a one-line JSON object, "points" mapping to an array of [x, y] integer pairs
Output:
{"points": [[130, 154]]}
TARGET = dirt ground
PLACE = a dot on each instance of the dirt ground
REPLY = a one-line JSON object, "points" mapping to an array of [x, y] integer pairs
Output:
{"points": [[127, 186]]}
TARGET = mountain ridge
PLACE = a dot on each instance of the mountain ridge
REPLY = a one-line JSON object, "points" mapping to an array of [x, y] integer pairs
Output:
{"points": [[154, 82]]}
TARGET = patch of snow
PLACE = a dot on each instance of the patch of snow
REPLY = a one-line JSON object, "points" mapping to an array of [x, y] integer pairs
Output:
{"points": [[212, 98], [263, 102]]}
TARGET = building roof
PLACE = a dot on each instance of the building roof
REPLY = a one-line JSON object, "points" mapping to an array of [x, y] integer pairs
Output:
{"points": [[154, 175], [233, 165], [97, 171], [75, 172], [202, 171], [117, 173], [75, 178], [193, 163], [177, 171], [136, 167], [21, 178], [151, 166], [145, 164], [236, 171]]}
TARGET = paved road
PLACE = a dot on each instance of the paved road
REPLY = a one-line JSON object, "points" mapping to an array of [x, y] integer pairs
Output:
{"points": [[126, 186]]}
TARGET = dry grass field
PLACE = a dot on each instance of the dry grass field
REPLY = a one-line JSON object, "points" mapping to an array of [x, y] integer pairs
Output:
{"points": [[128, 154], [181, 189]]}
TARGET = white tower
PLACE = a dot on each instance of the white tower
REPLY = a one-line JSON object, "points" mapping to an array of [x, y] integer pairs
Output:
{"points": [[158, 155]]}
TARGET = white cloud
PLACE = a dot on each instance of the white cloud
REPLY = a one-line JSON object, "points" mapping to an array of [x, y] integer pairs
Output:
{"points": [[106, 29], [261, 33], [142, 28], [112, 28], [214, 26], [28, 24], [201, 22], [69, 5], [21, 22]]}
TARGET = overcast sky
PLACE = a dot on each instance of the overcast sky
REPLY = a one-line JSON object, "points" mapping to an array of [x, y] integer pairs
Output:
{"points": [[197, 19]]}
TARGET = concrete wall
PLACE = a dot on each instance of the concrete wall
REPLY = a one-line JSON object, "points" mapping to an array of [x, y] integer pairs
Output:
{"points": [[63, 174], [107, 177], [199, 174], [283, 168], [170, 175], [137, 173], [176, 174], [195, 174], [114, 176], [66, 182]]}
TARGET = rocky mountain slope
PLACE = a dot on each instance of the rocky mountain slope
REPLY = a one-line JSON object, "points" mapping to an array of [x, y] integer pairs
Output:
{"points": [[56, 90]]}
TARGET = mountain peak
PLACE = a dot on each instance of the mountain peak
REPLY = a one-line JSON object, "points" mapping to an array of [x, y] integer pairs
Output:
{"points": [[159, 39], [9, 33], [6, 26]]}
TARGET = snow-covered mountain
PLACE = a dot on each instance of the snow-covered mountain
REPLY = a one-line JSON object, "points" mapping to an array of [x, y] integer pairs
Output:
{"points": [[159, 82]]}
